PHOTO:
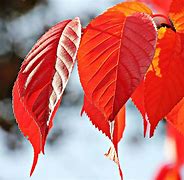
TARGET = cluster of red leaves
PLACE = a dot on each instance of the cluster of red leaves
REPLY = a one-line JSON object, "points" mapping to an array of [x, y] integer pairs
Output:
{"points": [[121, 55], [175, 136]]}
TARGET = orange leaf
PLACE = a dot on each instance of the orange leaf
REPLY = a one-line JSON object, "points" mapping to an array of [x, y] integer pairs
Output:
{"points": [[129, 8], [113, 57], [176, 14], [41, 82], [164, 84]]}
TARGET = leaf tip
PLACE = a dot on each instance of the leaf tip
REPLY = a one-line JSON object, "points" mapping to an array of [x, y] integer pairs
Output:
{"points": [[77, 18], [152, 131], [35, 160], [82, 111]]}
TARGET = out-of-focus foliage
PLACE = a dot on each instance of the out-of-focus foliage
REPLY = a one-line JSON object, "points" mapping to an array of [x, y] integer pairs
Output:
{"points": [[9, 59], [14, 8], [10, 62], [9, 66]]}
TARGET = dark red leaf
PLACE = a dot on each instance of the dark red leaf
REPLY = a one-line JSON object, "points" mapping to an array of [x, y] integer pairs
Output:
{"points": [[42, 79]]}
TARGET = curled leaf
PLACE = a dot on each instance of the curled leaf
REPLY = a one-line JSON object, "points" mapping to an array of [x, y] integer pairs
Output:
{"points": [[42, 79]]}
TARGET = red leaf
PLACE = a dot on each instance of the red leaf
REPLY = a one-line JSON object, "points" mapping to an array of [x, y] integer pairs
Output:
{"points": [[117, 133], [119, 127], [162, 6], [42, 79], [177, 140], [96, 117], [113, 57], [164, 84], [113, 132], [29, 128], [167, 172], [175, 131], [138, 100], [176, 116], [102, 124]]}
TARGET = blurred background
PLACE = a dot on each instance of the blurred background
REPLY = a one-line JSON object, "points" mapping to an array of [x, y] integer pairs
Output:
{"points": [[74, 149]]}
